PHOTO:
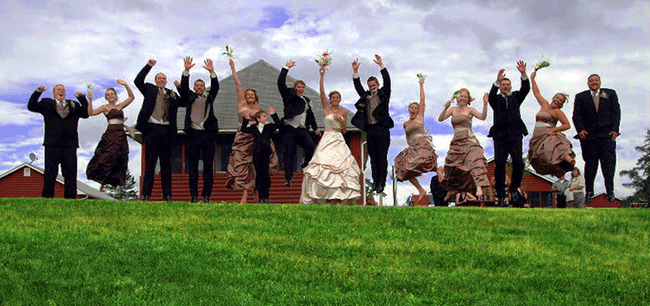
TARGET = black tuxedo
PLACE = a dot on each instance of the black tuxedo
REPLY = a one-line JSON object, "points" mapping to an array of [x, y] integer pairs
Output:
{"points": [[598, 146], [262, 153], [200, 142], [60, 140], [378, 135], [157, 138], [295, 105], [507, 131]]}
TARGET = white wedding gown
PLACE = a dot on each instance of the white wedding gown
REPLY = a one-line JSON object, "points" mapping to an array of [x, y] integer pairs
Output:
{"points": [[332, 173]]}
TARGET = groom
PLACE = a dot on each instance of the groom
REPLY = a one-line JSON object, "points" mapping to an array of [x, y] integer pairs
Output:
{"points": [[372, 117], [508, 132]]}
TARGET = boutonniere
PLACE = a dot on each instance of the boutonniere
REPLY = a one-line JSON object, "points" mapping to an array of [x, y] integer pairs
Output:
{"points": [[603, 94], [171, 94]]}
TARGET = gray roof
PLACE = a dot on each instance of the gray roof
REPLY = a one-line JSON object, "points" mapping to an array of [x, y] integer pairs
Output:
{"points": [[263, 77], [82, 188]]}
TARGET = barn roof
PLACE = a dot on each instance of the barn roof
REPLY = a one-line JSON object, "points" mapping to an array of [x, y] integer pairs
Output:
{"points": [[82, 188]]}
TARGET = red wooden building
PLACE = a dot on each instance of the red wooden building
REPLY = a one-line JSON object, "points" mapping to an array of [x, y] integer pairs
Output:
{"points": [[600, 201], [26, 181], [263, 77]]}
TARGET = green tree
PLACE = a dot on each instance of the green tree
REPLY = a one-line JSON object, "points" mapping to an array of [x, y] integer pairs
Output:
{"points": [[639, 175], [128, 192]]}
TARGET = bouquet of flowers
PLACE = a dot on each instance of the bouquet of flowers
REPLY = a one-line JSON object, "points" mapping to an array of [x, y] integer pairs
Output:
{"points": [[229, 52], [542, 64], [90, 88], [455, 95], [421, 76], [324, 59]]}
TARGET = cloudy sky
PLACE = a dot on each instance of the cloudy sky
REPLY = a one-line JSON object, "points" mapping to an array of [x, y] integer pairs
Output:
{"points": [[456, 43]]}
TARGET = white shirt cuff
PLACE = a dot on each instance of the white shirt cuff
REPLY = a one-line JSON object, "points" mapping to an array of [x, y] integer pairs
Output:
{"points": [[186, 73], [355, 75], [213, 75]]}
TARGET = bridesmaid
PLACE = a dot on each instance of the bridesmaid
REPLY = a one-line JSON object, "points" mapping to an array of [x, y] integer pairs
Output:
{"points": [[241, 170], [550, 152], [465, 165], [333, 174], [111, 159], [420, 156]]}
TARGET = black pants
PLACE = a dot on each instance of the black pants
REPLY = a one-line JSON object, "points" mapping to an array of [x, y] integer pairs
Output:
{"points": [[262, 178], [291, 138], [157, 144], [597, 148], [200, 144], [378, 138], [561, 201], [67, 158], [503, 147]]}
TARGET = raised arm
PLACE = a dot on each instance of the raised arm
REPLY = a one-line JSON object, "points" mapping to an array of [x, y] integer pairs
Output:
{"points": [[446, 112], [483, 114], [214, 81], [91, 111], [384, 75], [525, 83], [422, 106], [83, 110], [129, 99], [282, 79], [542, 102], [241, 98], [495, 88], [32, 104], [323, 96], [139, 79], [355, 78]]}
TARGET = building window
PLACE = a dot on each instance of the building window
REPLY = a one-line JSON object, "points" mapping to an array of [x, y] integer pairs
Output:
{"points": [[27, 171]]}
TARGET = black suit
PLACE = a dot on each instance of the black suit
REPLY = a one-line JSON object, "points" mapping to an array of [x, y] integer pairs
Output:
{"points": [[262, 153], [508, 131], [378, 135], [157, 138], [60, 140], [598, 146], [295, 105], [200, 142]]}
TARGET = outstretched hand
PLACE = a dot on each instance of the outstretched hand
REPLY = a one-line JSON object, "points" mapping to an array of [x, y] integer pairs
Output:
{"points": [[533, 75], [247, 115], [321, 70], [79, 94], [120, 82], [378, 60], [90, 95], [41, 88], [448, 103], [501, 75], [521, 66], [271, 110], [187, 62], [151, 62], [355, 65], [208, 65], [290, 64], [177, 83]]}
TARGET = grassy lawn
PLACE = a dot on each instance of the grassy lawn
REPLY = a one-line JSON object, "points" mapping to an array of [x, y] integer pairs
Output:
{"points": [[83, 252]]}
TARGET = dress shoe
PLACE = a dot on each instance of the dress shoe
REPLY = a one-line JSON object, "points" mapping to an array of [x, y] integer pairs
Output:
{"points": [[288, 183], [380, 188], [145, 198], [518, 199], [206, 199], [168, 198], [588, 196], [193, 199], [611, 197]]}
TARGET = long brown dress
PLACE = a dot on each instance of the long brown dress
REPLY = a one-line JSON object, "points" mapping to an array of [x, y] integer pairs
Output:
{"points": [[546, 151], [465, 165], [241, 170], [420, 156], [109, 164]]}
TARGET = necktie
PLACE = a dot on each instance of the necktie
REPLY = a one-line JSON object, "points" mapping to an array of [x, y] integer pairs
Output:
{"points": [[596, 99]]}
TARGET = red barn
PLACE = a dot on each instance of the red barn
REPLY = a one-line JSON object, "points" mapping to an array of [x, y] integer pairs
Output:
{"points": [[263, 77], [26, 181], [600, 201]]}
